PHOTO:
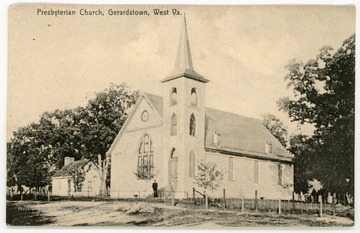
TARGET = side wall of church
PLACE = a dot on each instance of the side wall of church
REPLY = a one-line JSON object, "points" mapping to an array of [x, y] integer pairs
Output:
{"points": [[242, 180]]}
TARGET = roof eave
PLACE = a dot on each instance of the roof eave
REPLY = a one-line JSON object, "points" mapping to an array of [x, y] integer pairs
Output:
{"points": [[195, 76], [249, 154]]}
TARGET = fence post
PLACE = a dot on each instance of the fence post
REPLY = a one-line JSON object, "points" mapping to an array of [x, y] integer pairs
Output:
{"points": [[256, 201], [334, 203], [48, 195], [224, 198], [193, 196], [293, 202], [11, 193], [321, 205], [164, 196], [242, 203], [279, 206]]}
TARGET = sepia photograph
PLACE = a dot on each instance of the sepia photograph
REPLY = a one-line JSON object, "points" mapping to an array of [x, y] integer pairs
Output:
{"points": [[195, 116]]}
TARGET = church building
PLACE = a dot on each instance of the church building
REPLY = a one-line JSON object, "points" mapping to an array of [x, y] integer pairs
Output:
{"points": [[165, 137]]}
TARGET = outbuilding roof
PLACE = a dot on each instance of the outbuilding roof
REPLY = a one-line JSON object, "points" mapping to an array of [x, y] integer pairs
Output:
{"points": [[237, 135], [70, 168]]}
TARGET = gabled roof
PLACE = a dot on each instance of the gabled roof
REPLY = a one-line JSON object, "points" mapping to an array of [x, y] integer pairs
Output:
{"points": [[238, 135], [69, 168]]}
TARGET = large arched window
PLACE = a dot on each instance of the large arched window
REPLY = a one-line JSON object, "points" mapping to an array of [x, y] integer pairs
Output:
{"points": [[173, 129], [173, 96], [192, 164], [194, 98], [145, 167], [192, 125]]}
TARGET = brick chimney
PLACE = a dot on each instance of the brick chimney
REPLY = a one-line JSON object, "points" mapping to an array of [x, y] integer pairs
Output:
{"points": [[68, 160]]}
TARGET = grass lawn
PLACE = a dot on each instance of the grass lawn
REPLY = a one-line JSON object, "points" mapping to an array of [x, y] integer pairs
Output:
{"points": [[113, 213]]}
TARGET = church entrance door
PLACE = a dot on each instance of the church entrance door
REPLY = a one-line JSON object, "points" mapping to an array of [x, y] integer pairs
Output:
{"points": [[173, 170]]}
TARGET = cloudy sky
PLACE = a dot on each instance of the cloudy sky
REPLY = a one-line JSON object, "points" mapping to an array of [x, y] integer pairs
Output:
{"points": [[56, 62]]}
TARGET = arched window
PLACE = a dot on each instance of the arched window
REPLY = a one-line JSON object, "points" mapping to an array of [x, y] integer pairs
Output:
{"points": [[194, 98], [145, 167], [173, 96], [192, 124], [173, 129], [173, 169], [173, 153], [192, 164]]}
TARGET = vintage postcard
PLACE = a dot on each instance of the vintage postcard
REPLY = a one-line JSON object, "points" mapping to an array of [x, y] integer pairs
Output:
{"points": [[181, 116]]}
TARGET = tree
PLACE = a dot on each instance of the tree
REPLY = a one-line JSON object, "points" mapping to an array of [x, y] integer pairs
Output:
{"points": [[36, 151], [324, 96], [28, 162], [303, 149], [103, 117], [208, 177], [276, 127]]}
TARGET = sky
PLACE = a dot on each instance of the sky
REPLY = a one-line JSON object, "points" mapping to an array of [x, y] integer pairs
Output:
{"points": [[60, 62]]}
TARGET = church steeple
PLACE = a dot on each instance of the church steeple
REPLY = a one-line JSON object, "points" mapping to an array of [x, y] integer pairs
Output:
{"points": [[183, 58], [183, 65]]}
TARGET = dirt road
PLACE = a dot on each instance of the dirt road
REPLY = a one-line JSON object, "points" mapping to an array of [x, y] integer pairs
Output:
{"points": [[87, 213]]}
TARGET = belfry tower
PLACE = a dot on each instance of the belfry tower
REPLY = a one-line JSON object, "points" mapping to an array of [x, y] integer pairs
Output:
{"points": [[183, 119]]}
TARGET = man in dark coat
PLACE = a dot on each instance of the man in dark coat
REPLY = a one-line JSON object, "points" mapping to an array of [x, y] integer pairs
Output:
{"points": [[155, 188]]}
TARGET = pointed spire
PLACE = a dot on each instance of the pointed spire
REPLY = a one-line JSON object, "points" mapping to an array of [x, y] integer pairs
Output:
{"points": [[183, 58], [183, 65]]}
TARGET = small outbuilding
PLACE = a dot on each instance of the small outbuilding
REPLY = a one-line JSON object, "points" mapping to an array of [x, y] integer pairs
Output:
{"points": [[76, 178]]}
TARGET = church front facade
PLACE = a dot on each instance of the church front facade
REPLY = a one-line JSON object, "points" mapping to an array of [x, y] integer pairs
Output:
{"points": [[165, 137]]}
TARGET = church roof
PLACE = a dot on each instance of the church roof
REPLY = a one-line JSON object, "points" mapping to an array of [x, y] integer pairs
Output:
{"points": [[70, 168], [183, 65], [238, 135]]}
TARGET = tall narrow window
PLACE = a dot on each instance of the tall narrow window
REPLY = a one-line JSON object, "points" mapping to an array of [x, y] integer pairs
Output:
{"points": [[173, 127], [194, 98], [192, 124], [173, 169], [145, 165], [151, 164], [173, 97], [231, 169], [192, 164], [256, 172], [280, 174]]}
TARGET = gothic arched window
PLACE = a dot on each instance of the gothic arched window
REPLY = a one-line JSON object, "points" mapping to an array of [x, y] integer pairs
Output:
{"points": [[173, 96], [192, 125], [173, 126], [194, 98], [145, 167]]}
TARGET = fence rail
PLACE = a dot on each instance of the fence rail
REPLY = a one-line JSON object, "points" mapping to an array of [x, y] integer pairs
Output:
{"points": [[196, 199]]}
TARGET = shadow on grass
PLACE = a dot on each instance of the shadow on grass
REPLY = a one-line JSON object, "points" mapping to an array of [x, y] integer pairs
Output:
{"points": [[19, 215]]}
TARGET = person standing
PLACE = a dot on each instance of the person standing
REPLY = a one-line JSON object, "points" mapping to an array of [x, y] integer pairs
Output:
{"points": [[155, 188]]}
